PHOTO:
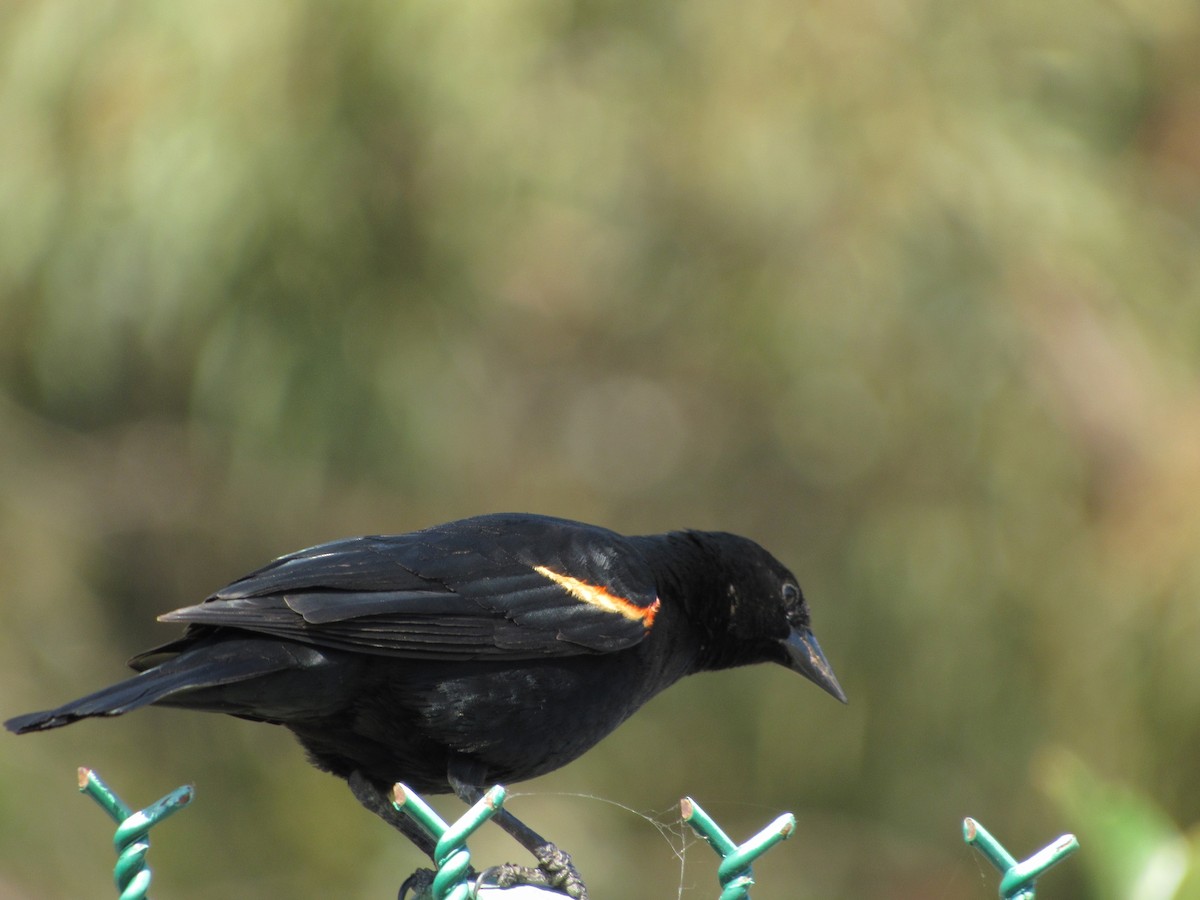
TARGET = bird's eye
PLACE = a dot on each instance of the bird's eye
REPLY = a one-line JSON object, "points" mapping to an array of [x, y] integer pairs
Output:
{"points": [[791, 594]]}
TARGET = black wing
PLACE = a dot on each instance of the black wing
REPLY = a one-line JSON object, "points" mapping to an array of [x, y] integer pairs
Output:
{"points": [[508, 585]]}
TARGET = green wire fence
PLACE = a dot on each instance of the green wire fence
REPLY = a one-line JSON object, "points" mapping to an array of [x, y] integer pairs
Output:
{"points": [[454, 879], [132, 839], [1017, 878]]}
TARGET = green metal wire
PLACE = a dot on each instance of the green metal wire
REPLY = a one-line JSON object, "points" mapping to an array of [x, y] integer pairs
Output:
{"points": [[132, 839], [1018, 879], [450, 856], [734, 873]]}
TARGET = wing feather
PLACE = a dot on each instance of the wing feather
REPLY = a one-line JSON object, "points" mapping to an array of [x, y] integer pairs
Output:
{"points": [[511, 586]]}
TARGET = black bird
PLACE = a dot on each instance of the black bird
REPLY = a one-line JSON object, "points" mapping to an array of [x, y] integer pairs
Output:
{"points": [[487, 650]]}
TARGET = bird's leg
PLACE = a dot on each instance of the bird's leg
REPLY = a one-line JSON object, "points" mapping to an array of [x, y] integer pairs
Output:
{"points": [[378, 799], [555, 868]]}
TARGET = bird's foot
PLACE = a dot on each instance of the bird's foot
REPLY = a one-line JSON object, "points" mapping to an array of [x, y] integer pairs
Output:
{"points": [[420, 883], [563, 875], [555, 871], [512, 875]]}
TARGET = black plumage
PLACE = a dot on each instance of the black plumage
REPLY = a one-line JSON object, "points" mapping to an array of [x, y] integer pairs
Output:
{"points": [[491, 649]]}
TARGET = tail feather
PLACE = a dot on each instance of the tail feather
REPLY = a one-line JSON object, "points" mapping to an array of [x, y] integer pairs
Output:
{"points": [[203, 666]]}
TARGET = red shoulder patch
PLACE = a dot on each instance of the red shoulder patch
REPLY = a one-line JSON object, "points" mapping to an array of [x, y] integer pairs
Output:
{"points": [[603, 599]]}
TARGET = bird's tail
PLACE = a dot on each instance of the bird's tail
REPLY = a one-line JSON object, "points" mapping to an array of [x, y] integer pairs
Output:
{"points": [[203, 666]]}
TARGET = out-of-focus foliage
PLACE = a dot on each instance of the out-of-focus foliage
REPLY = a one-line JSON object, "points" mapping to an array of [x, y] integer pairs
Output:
{"points": [[1136, 851], [908, 291]]}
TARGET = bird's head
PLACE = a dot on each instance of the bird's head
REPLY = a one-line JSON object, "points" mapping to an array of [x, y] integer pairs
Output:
{"points": [[755, 611]]}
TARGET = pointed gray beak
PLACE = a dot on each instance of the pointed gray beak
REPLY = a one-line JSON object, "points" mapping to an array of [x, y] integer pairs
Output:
{"points": [[805, 657]]}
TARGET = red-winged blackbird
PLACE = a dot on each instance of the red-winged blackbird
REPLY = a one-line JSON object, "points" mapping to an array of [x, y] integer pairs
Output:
{"points": [[491, 649]]}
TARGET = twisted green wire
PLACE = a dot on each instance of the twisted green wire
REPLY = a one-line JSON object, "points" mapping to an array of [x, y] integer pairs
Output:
{"points": [[734, 872], [132, 839], [1018, 879], [450, 856]]}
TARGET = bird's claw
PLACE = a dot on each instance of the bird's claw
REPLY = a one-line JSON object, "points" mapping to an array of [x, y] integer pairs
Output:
{"points": [[512, 875], [419, 882], [563, 875], [554, 871]]}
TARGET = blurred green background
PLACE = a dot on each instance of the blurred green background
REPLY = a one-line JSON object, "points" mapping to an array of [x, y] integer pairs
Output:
{"points": [[909, 292]]}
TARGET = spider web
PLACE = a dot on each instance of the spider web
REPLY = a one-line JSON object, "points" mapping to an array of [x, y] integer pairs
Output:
{"points": [[668, 822]]}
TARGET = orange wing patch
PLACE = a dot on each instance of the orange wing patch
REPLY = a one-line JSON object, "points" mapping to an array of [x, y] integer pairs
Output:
{"points": [[599, 597]]}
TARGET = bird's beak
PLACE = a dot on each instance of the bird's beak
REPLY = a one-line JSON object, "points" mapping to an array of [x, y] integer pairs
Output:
{"points": [[805, 657]]}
